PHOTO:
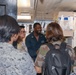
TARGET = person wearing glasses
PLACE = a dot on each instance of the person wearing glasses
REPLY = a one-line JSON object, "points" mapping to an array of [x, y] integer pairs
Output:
{"points": [[20, 43]]}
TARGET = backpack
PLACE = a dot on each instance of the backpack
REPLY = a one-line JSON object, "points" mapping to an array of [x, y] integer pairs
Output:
{"points": [[57, 61]]}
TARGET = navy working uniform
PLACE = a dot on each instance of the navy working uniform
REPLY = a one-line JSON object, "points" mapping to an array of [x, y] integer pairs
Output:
{"points": [[33, 44]]}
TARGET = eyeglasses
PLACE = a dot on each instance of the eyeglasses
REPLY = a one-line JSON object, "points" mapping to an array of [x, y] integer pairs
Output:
{"points": [[22, 31]]}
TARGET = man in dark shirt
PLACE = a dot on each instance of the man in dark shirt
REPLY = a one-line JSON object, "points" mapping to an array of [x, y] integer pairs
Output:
{"points": [[34, 40]]}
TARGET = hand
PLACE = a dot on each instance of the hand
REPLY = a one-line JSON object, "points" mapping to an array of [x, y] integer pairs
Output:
{"points": [[37, 51], [38, 69]]}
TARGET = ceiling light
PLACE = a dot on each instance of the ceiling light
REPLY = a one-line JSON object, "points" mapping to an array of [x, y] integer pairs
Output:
{"points": [[25, 13], [25, 17], [23, 3]]}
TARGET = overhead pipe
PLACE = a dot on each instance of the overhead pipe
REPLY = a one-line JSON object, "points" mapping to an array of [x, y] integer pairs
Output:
{"points": [[35, 7]]}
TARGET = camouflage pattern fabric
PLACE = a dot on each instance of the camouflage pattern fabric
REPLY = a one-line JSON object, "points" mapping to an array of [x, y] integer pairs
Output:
{"points": [[44, 49]]}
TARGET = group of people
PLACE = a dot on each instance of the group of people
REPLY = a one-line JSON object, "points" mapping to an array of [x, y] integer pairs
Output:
{"points": [[20, 55]]}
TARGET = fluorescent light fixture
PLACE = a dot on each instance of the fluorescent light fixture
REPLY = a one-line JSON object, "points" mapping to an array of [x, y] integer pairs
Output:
{"points": [[24, 3], [25, 17], [25, 13]]}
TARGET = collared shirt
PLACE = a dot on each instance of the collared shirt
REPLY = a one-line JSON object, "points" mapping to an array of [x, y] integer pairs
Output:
{"points": [[33, 45], [21, 46], [12, 62]]}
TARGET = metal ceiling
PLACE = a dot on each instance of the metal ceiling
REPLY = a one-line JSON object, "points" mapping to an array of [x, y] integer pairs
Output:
{"points": [[48, 9]]}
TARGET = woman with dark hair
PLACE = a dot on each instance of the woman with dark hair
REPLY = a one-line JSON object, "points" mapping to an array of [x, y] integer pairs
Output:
{"points": [[20, 42], [12, 61], [21, 39], [54, 35]]}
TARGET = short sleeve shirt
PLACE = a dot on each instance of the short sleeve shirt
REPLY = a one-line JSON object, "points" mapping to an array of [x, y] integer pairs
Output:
{"points": [[33, 45]]}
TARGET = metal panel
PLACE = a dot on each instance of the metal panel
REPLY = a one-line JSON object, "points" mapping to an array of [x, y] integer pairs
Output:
{"points": [[2, 9], [11, 7]]}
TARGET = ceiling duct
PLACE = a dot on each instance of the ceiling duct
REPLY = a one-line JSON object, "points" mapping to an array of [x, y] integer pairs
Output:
{"points": [[25, 10], [41, 1]]}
